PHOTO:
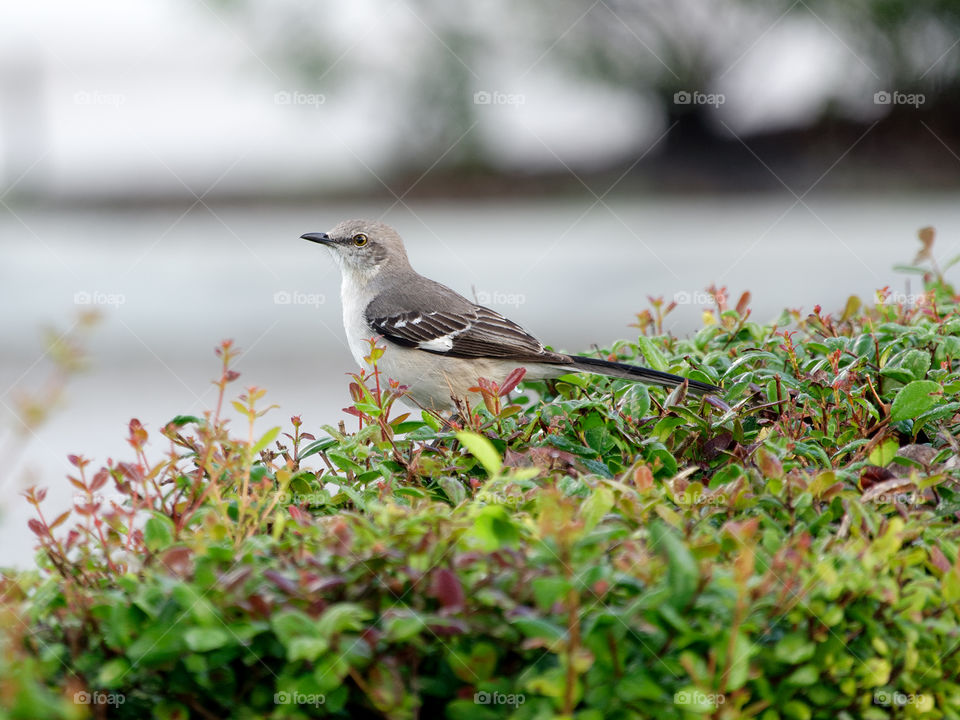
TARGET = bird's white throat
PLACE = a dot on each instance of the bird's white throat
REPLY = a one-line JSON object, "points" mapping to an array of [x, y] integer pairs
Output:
{"points": [[355, 294]]}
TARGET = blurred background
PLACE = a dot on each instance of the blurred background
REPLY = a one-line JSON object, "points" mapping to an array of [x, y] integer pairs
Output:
{"points": [[159, 161]]}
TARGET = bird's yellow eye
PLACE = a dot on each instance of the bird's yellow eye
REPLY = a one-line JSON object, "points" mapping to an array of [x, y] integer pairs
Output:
{"points": [[359, 239]]}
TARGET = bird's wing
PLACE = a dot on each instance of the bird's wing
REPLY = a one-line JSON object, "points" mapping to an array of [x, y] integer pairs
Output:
{"points": [[476, 333]]}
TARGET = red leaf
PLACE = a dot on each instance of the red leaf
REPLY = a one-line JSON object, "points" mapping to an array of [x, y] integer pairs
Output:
{"points": [[231, 375], [353, 411], [288, 586], [60, 519], [99, 480], [871, 475], [134, 472], [484, 387], [512, 380], [259, 606], [179, 561], [446, 588], [355, 392], [138, 434], [939, 559], [38, 529], [41, 494]]}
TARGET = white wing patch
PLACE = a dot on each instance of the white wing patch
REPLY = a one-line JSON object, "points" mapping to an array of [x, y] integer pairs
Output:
{"points": [[442, 344]]}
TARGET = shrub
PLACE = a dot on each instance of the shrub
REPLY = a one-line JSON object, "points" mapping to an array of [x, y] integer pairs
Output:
{"points": [[586, 548]]}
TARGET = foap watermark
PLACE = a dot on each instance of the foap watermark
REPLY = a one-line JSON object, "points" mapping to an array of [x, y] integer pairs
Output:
{"points": [[311, 498], [895, 97], [701, 500], [495, 97], [96, 97], [695, 697], [896, 297], [296, 97], [698, 298], [97, 297], [499, 698], [493, 497], [298, 698], [100, 498], [695, 97], [497, 297], [294, 297], [914, 499], [82, 697], [895, 698]]}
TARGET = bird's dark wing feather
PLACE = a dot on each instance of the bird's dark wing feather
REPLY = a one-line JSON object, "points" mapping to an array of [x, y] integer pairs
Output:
{"points": [[477, 333]]}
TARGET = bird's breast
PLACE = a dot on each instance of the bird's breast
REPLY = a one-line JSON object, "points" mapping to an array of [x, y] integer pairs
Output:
{"points": [[355, 324]]}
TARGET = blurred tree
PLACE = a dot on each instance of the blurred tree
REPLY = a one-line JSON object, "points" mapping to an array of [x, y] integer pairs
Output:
{"points": [[439, 127], [431, 56], [910, 44], [658, 50]]}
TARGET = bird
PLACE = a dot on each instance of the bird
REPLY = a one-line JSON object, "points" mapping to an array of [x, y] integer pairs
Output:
{"points": [[438, 343]]}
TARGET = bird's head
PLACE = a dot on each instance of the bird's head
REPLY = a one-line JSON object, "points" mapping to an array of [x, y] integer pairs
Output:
{"points": [[362, 247]]}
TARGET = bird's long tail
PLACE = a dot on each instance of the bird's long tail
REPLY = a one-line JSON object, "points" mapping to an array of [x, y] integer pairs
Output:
{"points": [[635, 372]]}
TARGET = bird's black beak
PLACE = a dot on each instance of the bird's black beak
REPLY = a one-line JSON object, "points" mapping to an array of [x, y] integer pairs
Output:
{"points": [[321, 238]]}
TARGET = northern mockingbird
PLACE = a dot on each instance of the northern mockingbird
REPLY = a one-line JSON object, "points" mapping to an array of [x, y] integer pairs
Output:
{"points": [[438, 343]]}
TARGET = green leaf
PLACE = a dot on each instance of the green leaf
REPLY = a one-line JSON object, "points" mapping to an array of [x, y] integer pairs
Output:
{"points": [[478, 664], [204, 639], [158, 532], [268, 437], [638, 401], [340, 617], [408, 426], [683, 573], [112, 672], [159, 644], [738, 666], [914, 399], [547, 591], [661, 458], [876, 672], [884, 453], [726, 475], [288, 625], [181, 420], [796, 710], [317, 446], [596, 506], [306, 647], [453, 489], [651, 353], [403, 627], [539, 628], [483, 450], [804, 676], [345, 463], [794, 649], [493, 527], [917, 362], [430, 420]]}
